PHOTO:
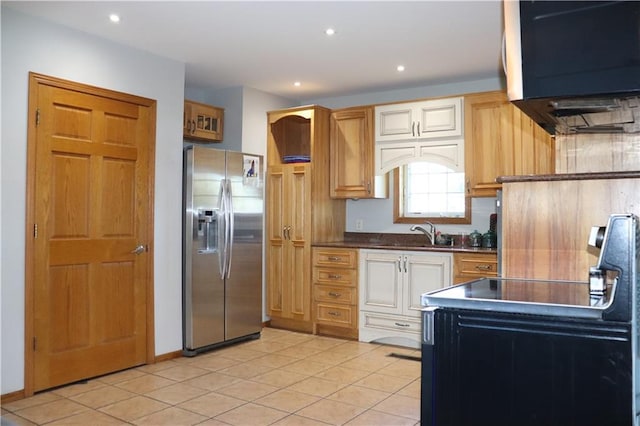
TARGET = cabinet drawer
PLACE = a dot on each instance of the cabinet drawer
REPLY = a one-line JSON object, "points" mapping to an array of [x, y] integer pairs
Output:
{"points": [[343, 258], [391, 322], [336, 315], [476, 265], [325, 293], [479, 268], [346, 277]]}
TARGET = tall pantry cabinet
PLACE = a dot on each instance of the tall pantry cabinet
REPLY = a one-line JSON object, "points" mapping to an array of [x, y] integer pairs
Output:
{"points": [[299, 210]]}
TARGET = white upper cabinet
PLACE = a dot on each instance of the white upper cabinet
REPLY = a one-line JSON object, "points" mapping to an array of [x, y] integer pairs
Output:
{"points": [[438, 118], [430, 130]]}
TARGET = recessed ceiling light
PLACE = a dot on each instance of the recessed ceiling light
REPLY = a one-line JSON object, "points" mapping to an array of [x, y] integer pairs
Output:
{"points": [[114, 18], [329, 31], [297, 84], [400, 68]]}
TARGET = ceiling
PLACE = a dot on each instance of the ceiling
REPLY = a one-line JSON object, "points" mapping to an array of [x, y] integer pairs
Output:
{"points": [[268, 45]]}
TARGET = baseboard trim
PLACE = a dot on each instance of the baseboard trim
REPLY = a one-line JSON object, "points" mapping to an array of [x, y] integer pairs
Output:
{"points": [[168, 356], [12, 396]]}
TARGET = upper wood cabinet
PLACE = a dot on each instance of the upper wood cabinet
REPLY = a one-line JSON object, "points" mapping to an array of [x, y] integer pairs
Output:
{"points": [[202, 122], [293, 135], [351, 147], [501, 141]]}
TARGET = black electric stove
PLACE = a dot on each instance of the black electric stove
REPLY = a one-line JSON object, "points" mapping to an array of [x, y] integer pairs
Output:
{"points": [[499, 351]]}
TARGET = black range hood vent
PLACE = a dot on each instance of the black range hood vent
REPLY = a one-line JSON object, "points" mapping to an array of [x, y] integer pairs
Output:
{"points": [[586, 114]]}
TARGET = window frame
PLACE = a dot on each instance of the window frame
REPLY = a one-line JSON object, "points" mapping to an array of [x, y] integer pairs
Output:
{"points": [[398, 216]]}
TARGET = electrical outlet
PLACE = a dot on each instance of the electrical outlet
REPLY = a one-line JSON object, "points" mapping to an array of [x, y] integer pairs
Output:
{"points": [[359, 224]]}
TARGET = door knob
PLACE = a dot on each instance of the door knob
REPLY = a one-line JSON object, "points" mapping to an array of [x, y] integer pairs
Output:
{"points": [[139, 250]]}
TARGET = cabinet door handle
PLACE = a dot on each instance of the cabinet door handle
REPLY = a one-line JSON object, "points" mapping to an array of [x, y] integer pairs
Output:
{"points": [[405, 264], [413, 129], [334, 258], [418, 129], [193, 126], [368, 187], [484, 267], [289, 233], [335, 276], [399, 263], [399, 324], [334, 314], [334, 294], [468, 186]]}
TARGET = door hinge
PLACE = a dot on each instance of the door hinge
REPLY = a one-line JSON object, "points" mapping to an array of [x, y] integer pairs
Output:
{"points": [[35, 230], [37, 116]]}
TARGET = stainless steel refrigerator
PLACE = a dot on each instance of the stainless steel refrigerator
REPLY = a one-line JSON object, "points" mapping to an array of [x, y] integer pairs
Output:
{"points": [[222, 247]]}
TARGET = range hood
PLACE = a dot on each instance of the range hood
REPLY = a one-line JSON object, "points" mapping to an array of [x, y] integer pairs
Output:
{"points": [[586, 114], [574, 66]]}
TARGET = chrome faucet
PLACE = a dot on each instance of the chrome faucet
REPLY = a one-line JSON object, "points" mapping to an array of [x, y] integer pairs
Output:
{"points": [[430, 234]]}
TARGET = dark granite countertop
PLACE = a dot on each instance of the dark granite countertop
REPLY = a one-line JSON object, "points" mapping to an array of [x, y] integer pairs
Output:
{"points": [[569, 176], [387, 241]]}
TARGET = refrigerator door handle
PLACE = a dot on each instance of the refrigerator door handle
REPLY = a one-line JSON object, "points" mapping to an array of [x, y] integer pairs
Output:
{"points": [[222, 238], [230, 226]]}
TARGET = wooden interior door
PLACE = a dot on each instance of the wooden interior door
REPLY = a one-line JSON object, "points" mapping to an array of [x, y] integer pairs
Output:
{"points": [[91, 207]]}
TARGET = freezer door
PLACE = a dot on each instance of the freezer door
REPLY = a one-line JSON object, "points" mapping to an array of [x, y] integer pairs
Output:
{"points": [[245, 178], [203, 284]]}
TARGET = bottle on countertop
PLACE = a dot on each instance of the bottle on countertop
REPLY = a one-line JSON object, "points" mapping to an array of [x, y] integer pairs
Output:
{"points": [[490, 239], [475, 239]]}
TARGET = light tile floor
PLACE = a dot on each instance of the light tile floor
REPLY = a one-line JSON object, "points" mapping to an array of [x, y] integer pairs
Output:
{"points": [[284, 378]]}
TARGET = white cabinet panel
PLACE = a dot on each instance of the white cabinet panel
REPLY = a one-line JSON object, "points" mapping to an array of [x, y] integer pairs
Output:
{"points": [[391, 283], [419, 131], [438, 118], [382, 289], [449, 153], [395, 122]]}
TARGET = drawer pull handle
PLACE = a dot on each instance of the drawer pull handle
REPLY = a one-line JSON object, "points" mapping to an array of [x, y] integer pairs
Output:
{"points": [[333, 294], [484, 267], [335, 276], [334, 258], [334, 314], [399, 324]]}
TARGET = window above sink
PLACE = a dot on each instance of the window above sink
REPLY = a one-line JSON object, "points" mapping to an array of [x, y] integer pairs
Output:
{"points": [[430, 191]]}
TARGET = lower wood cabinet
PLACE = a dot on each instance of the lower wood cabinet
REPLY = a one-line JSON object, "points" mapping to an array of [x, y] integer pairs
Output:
{"points": [[335, 291], [471, 266], [391, 283]]}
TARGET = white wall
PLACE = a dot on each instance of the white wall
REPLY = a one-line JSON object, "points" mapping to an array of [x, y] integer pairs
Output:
{"points": [[254, 118], [408, 94], [30, 44], [232, 101]]}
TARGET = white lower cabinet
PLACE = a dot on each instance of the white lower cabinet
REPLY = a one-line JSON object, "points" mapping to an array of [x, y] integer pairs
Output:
{"points": [[391, 283]]}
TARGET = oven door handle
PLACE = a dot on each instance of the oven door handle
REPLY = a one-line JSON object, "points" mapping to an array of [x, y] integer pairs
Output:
{"points": [[427, 414], [428, 317]]}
